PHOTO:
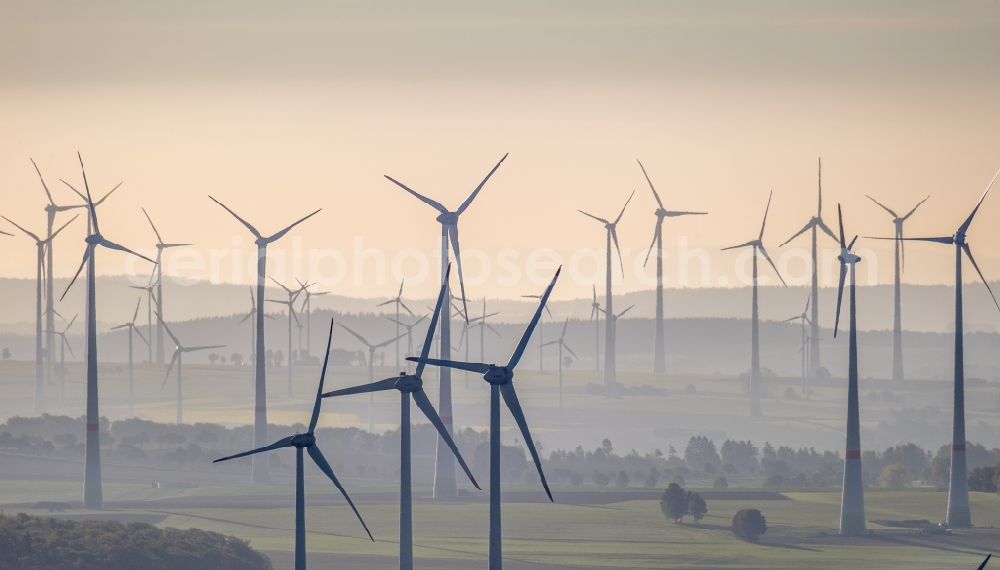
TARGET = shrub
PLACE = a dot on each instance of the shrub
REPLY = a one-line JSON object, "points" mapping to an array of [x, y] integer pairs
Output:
{"points": [[749, 524]]}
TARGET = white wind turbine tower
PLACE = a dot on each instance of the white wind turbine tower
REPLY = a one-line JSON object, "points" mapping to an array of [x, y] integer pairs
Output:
{"points": [[614, 327], [609, 349], [852, 505], [758, 246], [541, 335], [178, 359], [480, 322], [561, 342], [397, 302], [501, 381], [411, 386], [371, 368], [292, 315], [307, 441], [445, 486], [659, 356], [150, 301], [307, 309], [40, 245], [63, 345], [803, 319], [160, 246], [900, 262], [959, 514], [131, 373], [595, 315], [51, 211], [93, 497], [259, 469], [813, 225]]}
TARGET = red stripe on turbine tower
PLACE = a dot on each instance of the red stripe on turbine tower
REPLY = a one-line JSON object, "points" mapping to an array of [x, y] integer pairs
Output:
{"points": [[853, 454]]}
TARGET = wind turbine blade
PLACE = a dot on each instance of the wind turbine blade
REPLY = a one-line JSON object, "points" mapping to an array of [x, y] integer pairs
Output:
{"points": [[152, 225], [356, 335], [119, 327], [947, 240], [468, 201], [850, 246], [773, 266], [804, 229], [252, 229], [86, 256], [282, 233], [840, 296], [173, 360], [170, 245], [679, 213], [167, 328], [566, 346], [314, 418], [747, 244], [380, 386], [650, 182], [883, 206], [819, 186], [551, 342], [968, 221], [910, 213], [453, 235], [139, 332], [405, 308], [112, 245], [42, 180], [514, 358], [29, 234], [324, 466], [565, 326], [69, 347], [108, 194], [207, 347], [985, 562], [401, 283], [432, 203], [494, 331], [510, 397], [71, 321], [279, 284], [61, 228], [614, 238], [476, 367], [840, 222], [389, 302], [245, 317], [767, 209], [285, 442], [656, 233], [390, 341], [622, 314], [602, 220], [429, 337], [622, 213], [135, 315], [424, 403], [968, 253]]}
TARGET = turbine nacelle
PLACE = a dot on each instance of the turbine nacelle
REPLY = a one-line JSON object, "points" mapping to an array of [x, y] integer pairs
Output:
{"points": [[94, 239], [302, 440], [448, 218], [498, 375], [408, 384]]}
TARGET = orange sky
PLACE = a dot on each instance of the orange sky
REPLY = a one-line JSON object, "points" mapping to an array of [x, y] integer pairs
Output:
{"points": [[280, 113]]}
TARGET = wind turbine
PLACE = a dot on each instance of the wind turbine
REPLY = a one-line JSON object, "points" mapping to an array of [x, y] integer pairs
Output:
{"points": [[659, 355], [803, 319], [131, 375], [501, 381], [259, 469], [64, 344], [292, 315], [160, 246], [371, 368], [411, 385], [852, 505], [758, 246], [93, 497], [595, 315], [480, 322], [612, 235], [541, 335], [41, 245], [307, 441], [397, 302], [409, 333], [307, 306], [959, 514], [814, 224], [178, 359], [985, 562], [445, 486], [897, 320], [150, 300], [51, 211], [561, 342]]}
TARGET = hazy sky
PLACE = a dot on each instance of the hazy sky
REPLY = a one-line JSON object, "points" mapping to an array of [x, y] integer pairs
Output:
{"points": [[279, 109]]}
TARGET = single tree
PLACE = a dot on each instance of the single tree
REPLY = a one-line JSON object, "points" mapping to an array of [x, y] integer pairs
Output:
{"points": [[213, 358], [696, 506], [674, 503], [749, 524]]}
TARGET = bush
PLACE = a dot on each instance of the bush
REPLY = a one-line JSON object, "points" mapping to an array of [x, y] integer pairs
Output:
{"points": [[749, 524], [43, 543], [984, 479], [895, 476]]}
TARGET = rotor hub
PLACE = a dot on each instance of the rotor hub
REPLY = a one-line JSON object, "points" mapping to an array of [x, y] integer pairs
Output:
{"points": [[409, 384], [450, 218], [498, 375], [303, 440], [93, 239]]}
